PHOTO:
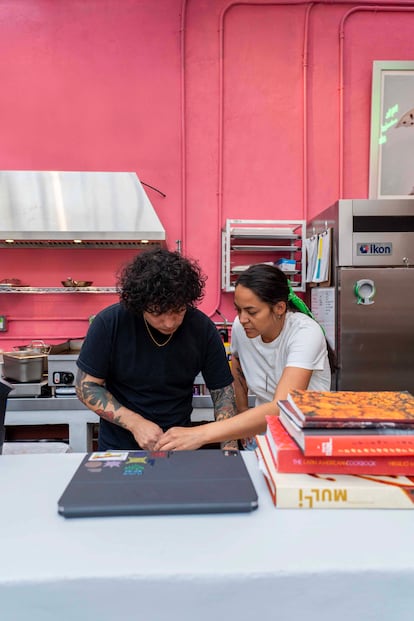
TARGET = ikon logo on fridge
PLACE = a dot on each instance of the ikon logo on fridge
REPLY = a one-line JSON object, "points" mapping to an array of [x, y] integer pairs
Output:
{"points": [[374, 248]]}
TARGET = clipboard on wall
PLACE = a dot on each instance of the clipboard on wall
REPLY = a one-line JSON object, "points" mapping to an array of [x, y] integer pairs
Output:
{"points": [[319, 253]]}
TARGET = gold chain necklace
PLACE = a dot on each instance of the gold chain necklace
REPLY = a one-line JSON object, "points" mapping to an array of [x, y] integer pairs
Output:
{"points": [[152, 337]]}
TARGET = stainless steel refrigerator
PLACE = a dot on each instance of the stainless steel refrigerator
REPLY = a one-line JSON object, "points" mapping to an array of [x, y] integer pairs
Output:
{"points": [[370, 300]]}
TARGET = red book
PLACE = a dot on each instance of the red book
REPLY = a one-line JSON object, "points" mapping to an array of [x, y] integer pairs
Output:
{"points": [[288, 457], [349, 442]]}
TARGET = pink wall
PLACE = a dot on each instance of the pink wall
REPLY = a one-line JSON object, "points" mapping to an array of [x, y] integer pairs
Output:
{"points": [[233, 110]]}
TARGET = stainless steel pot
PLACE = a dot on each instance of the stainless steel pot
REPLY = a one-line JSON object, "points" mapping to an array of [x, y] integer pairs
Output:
{"points": [[22, 366], [36, 346]]}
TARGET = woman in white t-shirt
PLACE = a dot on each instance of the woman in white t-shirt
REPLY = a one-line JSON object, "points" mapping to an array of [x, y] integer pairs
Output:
{"points": [[276, 347]]}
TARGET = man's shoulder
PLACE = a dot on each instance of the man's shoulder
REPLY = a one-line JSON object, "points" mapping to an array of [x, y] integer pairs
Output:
{"points": [[111, 311], [196, 316]]}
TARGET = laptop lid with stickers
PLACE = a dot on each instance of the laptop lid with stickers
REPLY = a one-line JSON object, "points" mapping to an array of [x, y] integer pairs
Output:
{"points": [[114, 483]]}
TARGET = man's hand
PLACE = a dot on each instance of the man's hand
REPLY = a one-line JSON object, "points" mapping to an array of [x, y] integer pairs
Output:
{"points": [[181, 439], [146, 433]]}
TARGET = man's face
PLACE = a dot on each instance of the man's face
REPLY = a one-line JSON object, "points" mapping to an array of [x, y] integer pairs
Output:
{"points": [[166, 323]]}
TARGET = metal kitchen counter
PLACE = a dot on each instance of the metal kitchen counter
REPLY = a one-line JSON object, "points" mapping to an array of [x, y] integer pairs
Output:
{"points": [[55, 411], [70, 411]]}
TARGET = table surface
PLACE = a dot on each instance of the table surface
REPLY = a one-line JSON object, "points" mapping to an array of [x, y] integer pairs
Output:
{"points": [[315, 564]]}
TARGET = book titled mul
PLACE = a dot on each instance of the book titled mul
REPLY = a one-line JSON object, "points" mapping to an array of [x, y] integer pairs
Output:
{"points": [[288, 457], [333, 491]]}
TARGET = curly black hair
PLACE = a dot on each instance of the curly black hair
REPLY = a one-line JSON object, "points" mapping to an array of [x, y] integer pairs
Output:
{"points": [[159, 281]]}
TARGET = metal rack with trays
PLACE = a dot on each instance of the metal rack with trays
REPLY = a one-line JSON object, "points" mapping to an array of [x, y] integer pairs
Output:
{"points": [[263, 241]]}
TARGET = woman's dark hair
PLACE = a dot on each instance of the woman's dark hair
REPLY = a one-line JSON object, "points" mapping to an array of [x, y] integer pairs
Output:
{"points": [[271, 286], [160, 281], [268, 282]]}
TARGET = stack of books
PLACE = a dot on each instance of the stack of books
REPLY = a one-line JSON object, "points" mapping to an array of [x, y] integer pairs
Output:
{"points": [[340, 450]]}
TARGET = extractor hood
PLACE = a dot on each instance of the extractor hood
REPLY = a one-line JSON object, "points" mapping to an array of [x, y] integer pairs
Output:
{"points": [[50, 208]]}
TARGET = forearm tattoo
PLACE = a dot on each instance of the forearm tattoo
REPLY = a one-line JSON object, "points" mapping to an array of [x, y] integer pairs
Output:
{"points": [[225, 407], [98, 399], [224, 402]]}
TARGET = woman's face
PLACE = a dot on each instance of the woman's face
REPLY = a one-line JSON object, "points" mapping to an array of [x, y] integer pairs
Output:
{"points": [[256, 316]]}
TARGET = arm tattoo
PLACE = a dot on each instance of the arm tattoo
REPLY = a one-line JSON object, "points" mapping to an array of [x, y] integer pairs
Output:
{"points": [[224, 402], [98, 399]]}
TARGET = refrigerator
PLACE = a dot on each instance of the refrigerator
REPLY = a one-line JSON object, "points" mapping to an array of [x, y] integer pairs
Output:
{"points": [[367, 305]]}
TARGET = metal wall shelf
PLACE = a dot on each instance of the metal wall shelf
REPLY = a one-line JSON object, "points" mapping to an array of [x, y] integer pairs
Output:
{"points": [[63, 290], [274, 240]]}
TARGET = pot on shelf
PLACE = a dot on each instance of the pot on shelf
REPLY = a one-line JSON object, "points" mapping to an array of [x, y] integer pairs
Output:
{"points": [[69, 282]]}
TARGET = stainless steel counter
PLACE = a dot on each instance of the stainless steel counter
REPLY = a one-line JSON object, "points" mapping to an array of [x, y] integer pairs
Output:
{"points": [[70, 411], [37, 404]]}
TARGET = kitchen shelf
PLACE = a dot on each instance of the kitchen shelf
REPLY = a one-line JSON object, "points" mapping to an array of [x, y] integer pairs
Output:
{"points": [[63, 290], [263, 241], [248, 248]]}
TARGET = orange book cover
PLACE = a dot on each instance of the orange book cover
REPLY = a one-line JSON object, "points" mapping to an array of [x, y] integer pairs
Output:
{"points": [[288, 457], [349, 408]]}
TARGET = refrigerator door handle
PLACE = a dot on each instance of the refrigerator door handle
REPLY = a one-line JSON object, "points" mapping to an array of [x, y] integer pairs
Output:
{"points": [[364, 290]]}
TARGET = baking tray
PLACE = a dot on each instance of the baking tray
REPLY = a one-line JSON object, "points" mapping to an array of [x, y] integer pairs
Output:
{"points": [[264, 232], [247, 248]]}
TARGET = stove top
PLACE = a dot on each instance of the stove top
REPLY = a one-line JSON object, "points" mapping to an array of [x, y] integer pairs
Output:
{"points": [[67, 354]]}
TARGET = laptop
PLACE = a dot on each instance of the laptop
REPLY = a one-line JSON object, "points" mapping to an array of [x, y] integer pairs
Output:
{"points": [[115, 483]]}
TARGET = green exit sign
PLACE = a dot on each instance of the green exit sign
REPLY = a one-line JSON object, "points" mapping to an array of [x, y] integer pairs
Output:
{"points": [[3, 323]]}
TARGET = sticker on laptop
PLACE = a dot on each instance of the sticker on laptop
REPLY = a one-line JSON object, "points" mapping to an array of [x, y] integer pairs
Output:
{"points": [[109, 456]]}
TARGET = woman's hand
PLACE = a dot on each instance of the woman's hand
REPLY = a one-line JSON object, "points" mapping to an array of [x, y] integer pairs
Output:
{"points": [[181, 439]]}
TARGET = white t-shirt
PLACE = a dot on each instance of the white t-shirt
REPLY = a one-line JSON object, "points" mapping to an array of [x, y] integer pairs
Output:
{"points": [[301, 343]]}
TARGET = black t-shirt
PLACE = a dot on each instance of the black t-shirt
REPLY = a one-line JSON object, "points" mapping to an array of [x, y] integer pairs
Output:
{"points": [[156, 382]]}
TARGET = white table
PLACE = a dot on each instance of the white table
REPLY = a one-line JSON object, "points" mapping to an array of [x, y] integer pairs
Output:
{"points": [[270, 564]]}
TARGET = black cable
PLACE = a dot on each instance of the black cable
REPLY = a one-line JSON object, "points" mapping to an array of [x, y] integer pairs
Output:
{"points": [[155, 189]]}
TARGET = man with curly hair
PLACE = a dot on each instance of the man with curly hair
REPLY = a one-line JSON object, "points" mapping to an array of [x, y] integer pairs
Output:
{"points": [[140, 357]]}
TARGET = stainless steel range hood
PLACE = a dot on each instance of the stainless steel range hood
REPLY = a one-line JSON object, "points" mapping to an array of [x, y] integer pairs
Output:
{"points": [[50, 208]]}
